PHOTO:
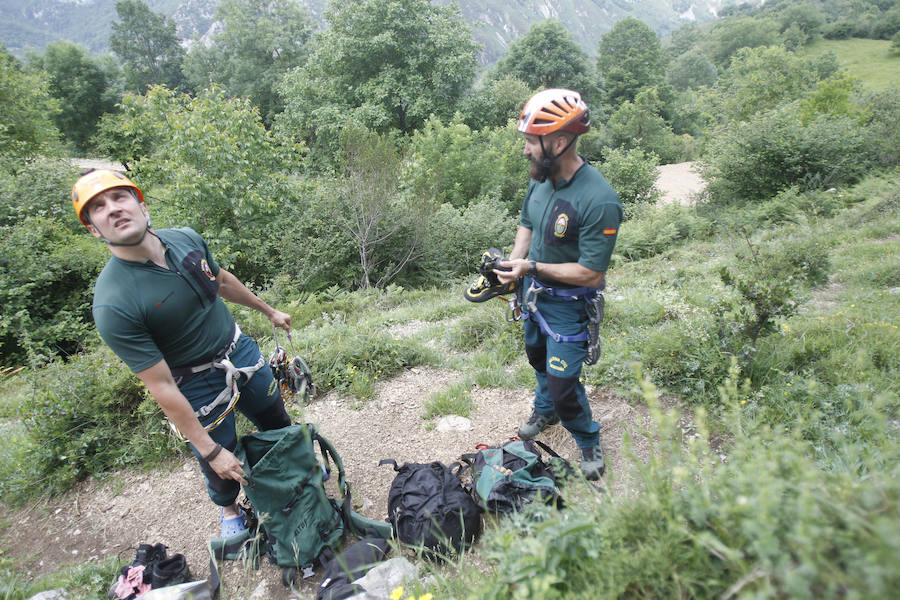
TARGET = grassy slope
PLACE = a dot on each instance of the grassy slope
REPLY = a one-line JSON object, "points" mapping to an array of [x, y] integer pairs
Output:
{"points": [[870, 60]]}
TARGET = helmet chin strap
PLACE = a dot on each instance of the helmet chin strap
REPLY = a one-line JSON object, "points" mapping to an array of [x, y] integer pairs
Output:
{"points": [[137, 243], [547, 161]]}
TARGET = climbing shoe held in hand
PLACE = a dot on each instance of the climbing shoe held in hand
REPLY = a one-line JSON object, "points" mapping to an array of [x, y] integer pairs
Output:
{"points": [[487, 285]]}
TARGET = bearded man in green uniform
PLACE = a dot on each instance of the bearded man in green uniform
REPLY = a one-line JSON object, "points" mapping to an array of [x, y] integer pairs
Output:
{"points": [[158, 305], [567, 230]]}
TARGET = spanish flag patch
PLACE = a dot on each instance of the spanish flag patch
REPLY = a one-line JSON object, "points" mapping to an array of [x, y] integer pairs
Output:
{"points": [[609, 231]]}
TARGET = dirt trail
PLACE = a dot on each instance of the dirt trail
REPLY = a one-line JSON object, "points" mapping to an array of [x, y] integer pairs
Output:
{"points": [[99, 519]]}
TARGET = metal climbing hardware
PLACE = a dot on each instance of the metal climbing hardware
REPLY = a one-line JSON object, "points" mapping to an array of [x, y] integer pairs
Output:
{"points": [[230, 394], [594, 305], [293, 376], [595, 310]]}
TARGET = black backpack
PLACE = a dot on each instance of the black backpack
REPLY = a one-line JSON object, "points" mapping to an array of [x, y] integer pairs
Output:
{"points": [[429, 507], [505, 478]]}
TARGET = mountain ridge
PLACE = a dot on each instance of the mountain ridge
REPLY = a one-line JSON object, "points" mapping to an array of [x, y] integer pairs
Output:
{"points": [[29, 25]]}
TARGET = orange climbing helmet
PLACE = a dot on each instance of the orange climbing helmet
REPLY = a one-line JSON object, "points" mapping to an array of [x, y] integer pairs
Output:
{"points": [[555, 110], [95, 182]]}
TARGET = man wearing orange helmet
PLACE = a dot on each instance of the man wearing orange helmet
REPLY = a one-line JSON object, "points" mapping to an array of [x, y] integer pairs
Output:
{"points": [[158, 305], [567, 230]]}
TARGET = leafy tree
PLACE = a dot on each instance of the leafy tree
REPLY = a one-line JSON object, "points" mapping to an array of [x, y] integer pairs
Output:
{"points": [[633, 175], [730, 35], [762, 78], [833, 96], [755, 159], [46, 274], [216, 168], [685, 38], [639, 124], [148, 45], [691, 70], [805, 15], [547, 56], [82, 87], [495, 102], [26, 111], [387, 64], [455, 165], [260, 40], [630, 59], [370, 211]]}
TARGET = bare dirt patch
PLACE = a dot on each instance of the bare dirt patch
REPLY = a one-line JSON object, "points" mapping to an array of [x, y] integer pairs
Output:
{"points": [[680, 183]]}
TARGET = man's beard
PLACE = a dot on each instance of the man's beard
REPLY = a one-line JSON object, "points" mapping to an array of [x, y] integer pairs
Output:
{"points": [[536, 170]]}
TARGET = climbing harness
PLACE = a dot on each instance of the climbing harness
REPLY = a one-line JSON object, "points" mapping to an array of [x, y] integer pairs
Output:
{"points": [[293, 376], [230, 394], [594, 304]]}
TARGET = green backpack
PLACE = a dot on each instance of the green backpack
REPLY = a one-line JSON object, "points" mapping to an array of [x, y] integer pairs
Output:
{"points": [[507, 477], [298, 524]]}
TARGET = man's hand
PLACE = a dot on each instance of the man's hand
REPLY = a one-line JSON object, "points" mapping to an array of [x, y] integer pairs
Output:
{"points": [[518, 268], [280, 319], [227, 466]]}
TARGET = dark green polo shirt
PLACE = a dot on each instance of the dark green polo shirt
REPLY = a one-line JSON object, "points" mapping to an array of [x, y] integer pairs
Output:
{"points": [[146, 313], [576, 221]]}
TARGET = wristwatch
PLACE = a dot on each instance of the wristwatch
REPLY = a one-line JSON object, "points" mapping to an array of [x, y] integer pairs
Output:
{"points": [[532, 268]]}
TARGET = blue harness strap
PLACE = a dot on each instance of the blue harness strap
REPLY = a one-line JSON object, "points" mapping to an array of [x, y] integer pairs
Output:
{"points": [[530, 303]]}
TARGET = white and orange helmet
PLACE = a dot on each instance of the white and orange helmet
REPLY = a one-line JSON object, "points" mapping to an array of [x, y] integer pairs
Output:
{"points": [[555, 110]]}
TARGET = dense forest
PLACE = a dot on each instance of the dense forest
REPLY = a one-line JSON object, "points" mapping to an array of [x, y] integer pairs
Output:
{"points": [[328, 166]]}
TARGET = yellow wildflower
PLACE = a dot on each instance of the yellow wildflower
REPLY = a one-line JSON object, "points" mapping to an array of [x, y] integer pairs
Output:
{"points": [[397, 593]]}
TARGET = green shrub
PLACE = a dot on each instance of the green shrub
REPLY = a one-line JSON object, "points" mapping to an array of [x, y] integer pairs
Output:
{"points": [[458, 236], [773, 151], [90, 415], [46, 283], [37, 188], [632, 173], [768, 283], [456, 165], [651, 230]]}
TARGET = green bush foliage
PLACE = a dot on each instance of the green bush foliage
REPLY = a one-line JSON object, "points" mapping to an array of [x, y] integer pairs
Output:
{"points": [[632, 173], [769, 282], [90, 415], [457, 165], [207, 162], [458, 236], [46, 283], [38, 187], [773, 151], [651, 230]]}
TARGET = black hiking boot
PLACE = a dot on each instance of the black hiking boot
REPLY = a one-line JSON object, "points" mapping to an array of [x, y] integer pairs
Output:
{"points": [[592, 464], [536, 424], [170, 571]]}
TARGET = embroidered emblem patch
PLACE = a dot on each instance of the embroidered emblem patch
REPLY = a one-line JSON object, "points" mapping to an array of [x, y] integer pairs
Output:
{"points": [[562, 223], [557, 364], [205, 266], [609, 231]]}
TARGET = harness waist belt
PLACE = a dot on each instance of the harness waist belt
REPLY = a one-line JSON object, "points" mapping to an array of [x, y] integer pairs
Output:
{"points": [[529, 302], [231, 393]]}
